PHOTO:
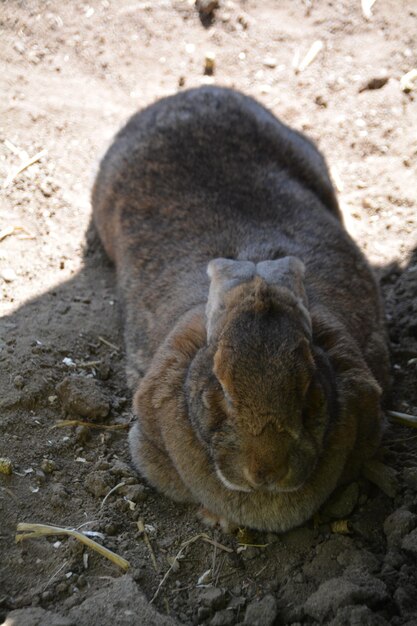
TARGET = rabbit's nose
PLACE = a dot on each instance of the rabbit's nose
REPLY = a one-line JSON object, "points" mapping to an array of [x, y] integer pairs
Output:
{"points": [[258, 475]]}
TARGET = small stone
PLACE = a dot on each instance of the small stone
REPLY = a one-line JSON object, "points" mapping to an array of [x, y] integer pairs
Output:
{"points": [[374, 83], [405, 599], [8, 275], [119, 469], [337, 593], [223, 618], [84, 397], [410, 477], [48, 466], [58, 494], [270, 62], [409, 543], [202, 614], [209, 63], [262, 613], [206, 7], [357, 616], [82, 434], [35, 616], [135, 493], [398, 525], [99, 484], [48, 187], [19, 381], [213, 598]]}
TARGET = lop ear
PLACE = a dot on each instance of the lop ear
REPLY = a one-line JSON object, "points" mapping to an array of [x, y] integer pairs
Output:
{"points": [[224, 274], [288, 272]]}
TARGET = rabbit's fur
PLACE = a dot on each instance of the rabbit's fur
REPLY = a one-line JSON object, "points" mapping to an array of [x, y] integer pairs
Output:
{"points": [[255, 342]]}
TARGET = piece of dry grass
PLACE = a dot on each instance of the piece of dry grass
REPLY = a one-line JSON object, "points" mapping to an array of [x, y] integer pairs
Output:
{"points": [[6, 466], [403, 418], [64, 423], [341, 527], [37, 157], [108, 343], [33, 531], [174, 562], [313, 51], [409, 80], [118, 486], [367, 8], [144, 534], [14, 230]]}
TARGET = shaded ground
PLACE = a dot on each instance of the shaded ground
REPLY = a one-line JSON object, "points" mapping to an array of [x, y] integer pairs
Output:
{"points": [[71, 75]]}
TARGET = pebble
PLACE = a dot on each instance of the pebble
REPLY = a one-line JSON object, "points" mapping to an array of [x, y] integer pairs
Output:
{"points": [[410, 477], [84, 397], [206, 7], [213, 598], [99, 484], [340, 592], [357, 616], [19, 381], [409, 543], [223, 618], [270, 62], [8, 275], [59, 493], [263, 612], [120, 469], [405, 599], [398, 525], [374, 83], [48, 466], [135, 493]]}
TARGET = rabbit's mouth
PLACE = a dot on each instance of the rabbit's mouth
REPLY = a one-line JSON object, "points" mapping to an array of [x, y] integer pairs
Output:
{"points": [[286, 486], [230, 485]]}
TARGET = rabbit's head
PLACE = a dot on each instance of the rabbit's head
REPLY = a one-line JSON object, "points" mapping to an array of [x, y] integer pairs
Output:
{"points": [[257, 392]]}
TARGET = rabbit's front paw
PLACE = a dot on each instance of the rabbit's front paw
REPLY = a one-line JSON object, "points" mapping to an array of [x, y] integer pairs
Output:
{"points": [[212, 520]]}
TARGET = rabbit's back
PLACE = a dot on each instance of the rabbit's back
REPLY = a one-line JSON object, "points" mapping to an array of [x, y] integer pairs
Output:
{"points": [[198, 162], [211, 173]]}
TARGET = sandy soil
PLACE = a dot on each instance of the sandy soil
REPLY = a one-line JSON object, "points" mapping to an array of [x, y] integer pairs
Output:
{"points": [[71, 74]]}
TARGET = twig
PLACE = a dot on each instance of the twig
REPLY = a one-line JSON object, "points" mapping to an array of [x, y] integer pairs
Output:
{"points": [[10, 493], [44, 530], [367, 8], [11, 230], [24, 166], [177, 557], [403, 418], [65, 563], [87, 364], [142, 530], [111, 345], [216, 544], [122, 484], [64, 423], [315, 48]]}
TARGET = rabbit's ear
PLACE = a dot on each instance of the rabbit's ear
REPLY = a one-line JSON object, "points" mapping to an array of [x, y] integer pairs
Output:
{"points": [[288, 272], [224, 274]]}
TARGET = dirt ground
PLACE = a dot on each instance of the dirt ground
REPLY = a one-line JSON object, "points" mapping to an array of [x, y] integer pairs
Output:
{"points": [[71, 74]]}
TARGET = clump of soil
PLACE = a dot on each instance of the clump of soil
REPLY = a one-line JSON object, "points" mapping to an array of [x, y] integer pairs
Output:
{"points": [[72, 73]]}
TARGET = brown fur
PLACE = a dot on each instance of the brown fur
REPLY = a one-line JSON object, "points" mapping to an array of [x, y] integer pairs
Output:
{"points": [[257, 387]]}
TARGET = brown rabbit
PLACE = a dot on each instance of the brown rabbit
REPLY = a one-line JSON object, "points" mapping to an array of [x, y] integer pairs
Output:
{"points": [[253, 324]]}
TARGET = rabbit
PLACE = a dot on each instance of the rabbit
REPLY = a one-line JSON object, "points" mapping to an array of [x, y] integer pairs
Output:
{"points": [[254, 328]]}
